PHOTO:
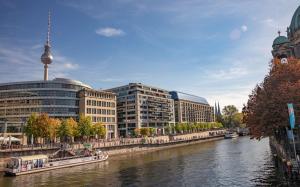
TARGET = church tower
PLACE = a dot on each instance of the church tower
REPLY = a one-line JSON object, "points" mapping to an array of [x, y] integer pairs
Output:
{"points": [[281, 47], [286, 47]]}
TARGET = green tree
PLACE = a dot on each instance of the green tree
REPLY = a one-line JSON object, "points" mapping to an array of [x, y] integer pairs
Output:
{"points": [[238, 119], [170, 129], [184, 127], [151, 131], [84, 127], [228, 115], [30, 128], [99, 130], [178, 128], [67, 129]]}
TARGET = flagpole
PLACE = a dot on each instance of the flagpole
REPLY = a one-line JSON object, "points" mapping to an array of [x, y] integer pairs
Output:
{"points": [[295, 150]]}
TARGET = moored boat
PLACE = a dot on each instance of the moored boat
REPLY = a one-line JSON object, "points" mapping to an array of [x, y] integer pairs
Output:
{"points": [[230, 135], [38, 163]]}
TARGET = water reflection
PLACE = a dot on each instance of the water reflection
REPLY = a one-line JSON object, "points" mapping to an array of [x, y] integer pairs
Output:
{"points": [[240, 162]]}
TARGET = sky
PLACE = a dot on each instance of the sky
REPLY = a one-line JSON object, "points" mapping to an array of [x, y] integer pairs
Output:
{"points": [[217, 49]]}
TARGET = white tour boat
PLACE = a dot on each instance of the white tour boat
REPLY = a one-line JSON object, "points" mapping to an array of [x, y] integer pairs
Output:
{"points": [[37, 163], [230, 135]]}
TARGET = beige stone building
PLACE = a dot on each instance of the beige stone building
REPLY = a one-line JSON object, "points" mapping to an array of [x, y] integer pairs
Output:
{"points": [[101, 107], [191, 109], [141, 106]]}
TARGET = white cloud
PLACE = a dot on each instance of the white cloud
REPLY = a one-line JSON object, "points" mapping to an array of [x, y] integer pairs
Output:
{"points": [[236, 34], [37, 46], [110, 32], [244, 28], [26, 64], [231, 73], [62, 62]]}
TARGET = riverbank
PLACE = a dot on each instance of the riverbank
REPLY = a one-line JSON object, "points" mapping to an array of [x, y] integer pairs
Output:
{"points": [[285, 160], [134, 145], [156, 147]]}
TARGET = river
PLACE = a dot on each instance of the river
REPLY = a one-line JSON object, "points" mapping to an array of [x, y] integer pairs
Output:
{"points": [[232, 162]]}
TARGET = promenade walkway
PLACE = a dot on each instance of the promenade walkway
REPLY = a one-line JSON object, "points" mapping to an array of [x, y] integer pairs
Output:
{"points": [[120, 142]]}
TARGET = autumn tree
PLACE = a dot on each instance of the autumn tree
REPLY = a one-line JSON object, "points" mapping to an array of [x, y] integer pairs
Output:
{"points": [[42, 128], [137, 131], [266, 110], [99, 130], [84, 127], [67, 129], [53, 126], [145, 131]]}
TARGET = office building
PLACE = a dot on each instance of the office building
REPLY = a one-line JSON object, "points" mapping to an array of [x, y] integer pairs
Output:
{"points": [[191, 109], [139, 105], [101, 107]]}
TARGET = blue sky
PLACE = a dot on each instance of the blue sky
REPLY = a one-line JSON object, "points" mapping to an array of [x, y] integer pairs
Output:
{"points": [[218, 49]]}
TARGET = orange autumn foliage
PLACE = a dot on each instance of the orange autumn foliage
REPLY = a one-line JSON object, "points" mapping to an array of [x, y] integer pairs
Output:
{"points": [[266, 109]]}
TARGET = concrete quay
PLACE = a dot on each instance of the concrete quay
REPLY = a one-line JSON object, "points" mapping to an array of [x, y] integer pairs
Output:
{"points": [[124, 146]]}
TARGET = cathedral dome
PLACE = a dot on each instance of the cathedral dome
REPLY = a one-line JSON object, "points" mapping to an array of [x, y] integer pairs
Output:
{"points": [[280, 40], [295, 23]]}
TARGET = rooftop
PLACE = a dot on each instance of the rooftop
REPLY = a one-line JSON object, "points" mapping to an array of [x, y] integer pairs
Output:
{"points": [[188, 97], [56, 80]]}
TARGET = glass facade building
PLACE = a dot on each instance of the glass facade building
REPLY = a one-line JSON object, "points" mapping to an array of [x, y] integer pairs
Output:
{"points": [[191, 109], [58, 98]]}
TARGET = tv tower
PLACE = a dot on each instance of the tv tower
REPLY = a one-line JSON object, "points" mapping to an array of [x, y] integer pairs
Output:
{"points": [[47, 57]]}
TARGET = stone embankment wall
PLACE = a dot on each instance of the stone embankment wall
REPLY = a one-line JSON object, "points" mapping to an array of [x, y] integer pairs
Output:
{"points": [[285, 160], [124, 146]]}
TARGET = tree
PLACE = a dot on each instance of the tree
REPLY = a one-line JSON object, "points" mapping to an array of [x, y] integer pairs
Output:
{"points": [[145, 131], [178, 128], [84, 127], [30, 128], [53, 125], [237, 119], [99, 130], [228, 115], [170, 129], [194, 127], [266, 110], [42, 125], [151, 131], [137, 131], [67, 129]]}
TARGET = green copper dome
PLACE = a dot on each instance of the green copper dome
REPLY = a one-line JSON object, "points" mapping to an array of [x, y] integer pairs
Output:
{"points": [[280, 40], [295, 23]]}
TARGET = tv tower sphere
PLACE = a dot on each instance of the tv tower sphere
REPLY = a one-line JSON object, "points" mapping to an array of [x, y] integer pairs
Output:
{"points": [[47, 57]]}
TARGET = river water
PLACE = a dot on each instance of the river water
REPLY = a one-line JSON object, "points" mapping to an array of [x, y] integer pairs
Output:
{"points": [[236, 162]]}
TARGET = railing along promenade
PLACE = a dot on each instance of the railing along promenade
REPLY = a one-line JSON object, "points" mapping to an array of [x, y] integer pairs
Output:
{"points": [[121, 142]]}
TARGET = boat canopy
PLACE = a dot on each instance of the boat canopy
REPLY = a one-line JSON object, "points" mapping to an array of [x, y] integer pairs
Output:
{"points": [[33, 157], [12, 139]]}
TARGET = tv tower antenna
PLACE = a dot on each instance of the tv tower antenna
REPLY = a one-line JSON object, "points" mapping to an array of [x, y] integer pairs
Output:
{"points": [[47, 57]]}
